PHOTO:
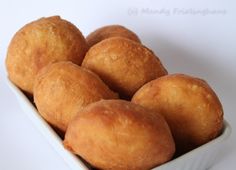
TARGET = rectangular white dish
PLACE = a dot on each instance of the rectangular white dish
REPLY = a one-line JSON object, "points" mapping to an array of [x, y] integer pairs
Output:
{"points": [[200, 158]]}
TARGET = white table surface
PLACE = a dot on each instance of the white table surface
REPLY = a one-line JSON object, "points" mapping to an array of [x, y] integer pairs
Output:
{"points": [[200, 44]]}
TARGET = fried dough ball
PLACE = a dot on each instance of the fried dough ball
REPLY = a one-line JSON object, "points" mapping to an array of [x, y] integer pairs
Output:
{"points": [[189, 105], [123, 65], [120, 135], [110, 31], [63, 88], [39, 43]]}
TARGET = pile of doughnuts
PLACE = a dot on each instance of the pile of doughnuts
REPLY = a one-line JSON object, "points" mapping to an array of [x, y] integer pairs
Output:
{"points": [[110, 96]]}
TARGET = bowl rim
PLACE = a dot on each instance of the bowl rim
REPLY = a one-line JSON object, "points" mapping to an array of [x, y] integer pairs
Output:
{"points": [[225, 134], [55, 141]]}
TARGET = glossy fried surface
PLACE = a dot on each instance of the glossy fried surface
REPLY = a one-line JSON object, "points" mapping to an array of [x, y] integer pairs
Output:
{"points": [[39, 43], [110, 31], [120, 135], [123, 65], [63, 88], [191, 108]]}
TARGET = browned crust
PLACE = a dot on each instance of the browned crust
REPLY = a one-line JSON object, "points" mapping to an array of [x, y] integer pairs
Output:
{"points": [[63, 88], [123, 64], [116, 134], [110, 31], [39, 43], [190, 106]]}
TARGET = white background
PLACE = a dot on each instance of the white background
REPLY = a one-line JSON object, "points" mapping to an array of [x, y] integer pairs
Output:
{"points": [[200, 44]]}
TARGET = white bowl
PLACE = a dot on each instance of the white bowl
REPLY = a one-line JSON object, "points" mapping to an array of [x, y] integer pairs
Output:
{"points": [[200, 158]]}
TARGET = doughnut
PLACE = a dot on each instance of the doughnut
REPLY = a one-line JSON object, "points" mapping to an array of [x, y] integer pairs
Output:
{"points": [[63, 88], [120, 135], [189, 105], [123, 64], [110, 31], [39, 43]]}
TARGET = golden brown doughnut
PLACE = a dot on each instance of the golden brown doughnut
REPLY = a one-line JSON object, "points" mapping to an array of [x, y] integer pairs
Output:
{"points": [[120, 135], [63, 88], [39, 43], [123, 65], [110, 31], [191, 108]]}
